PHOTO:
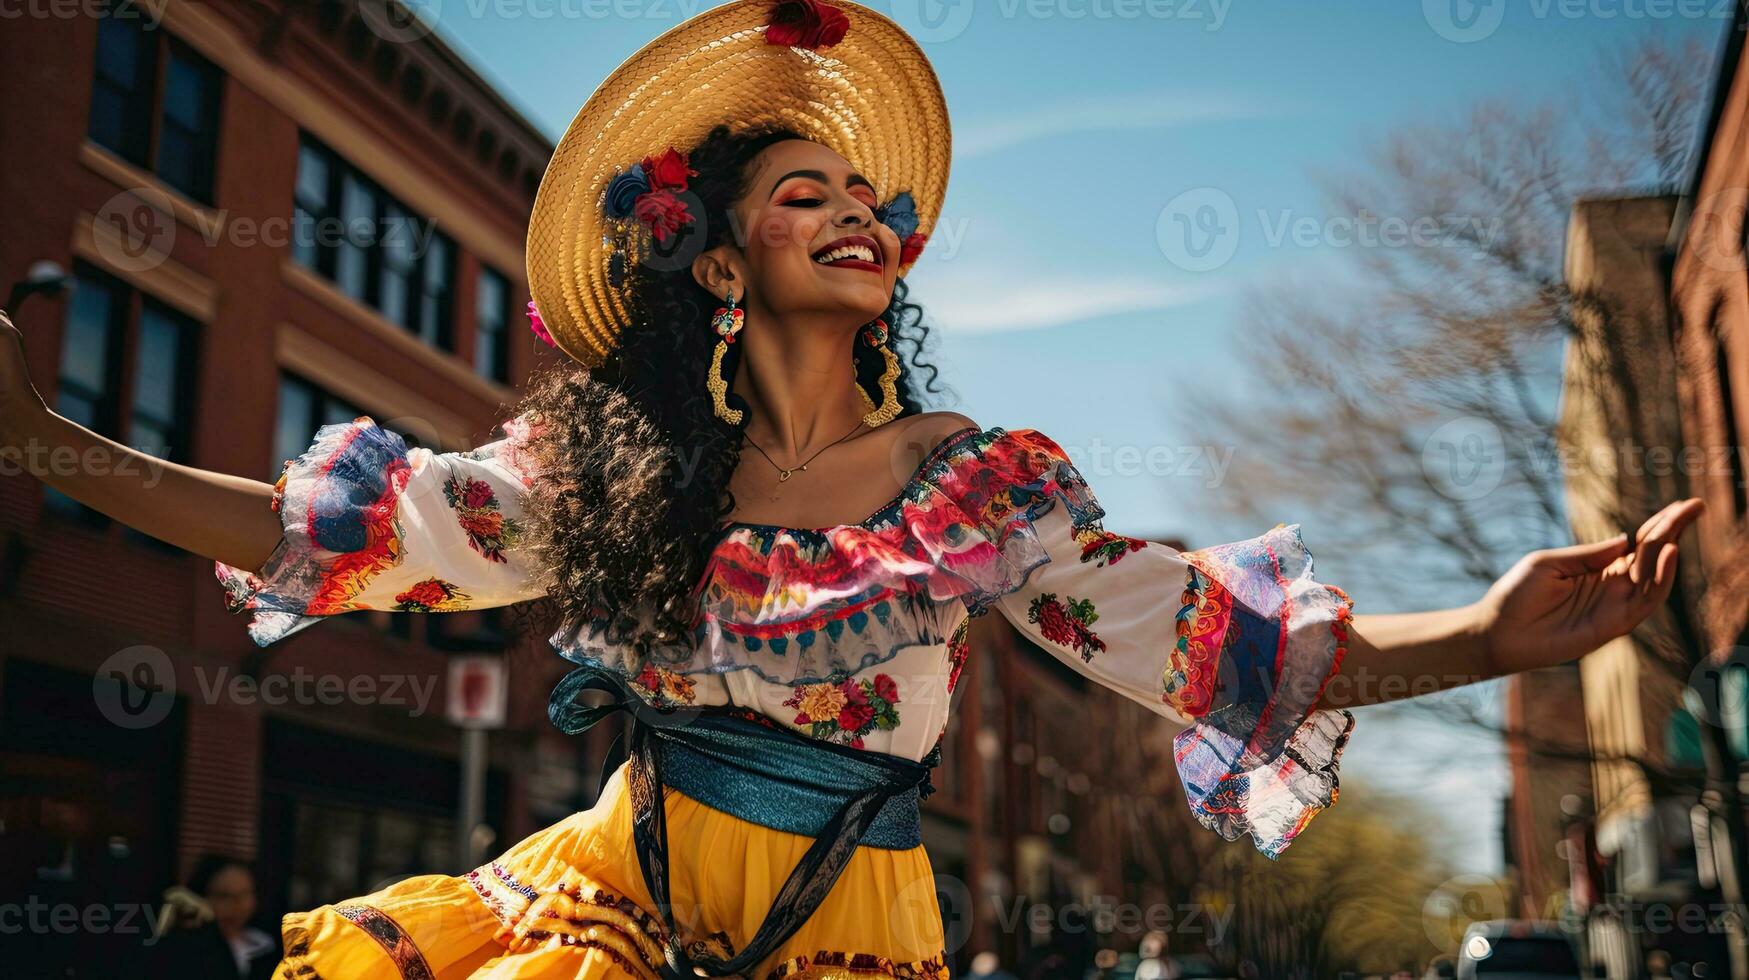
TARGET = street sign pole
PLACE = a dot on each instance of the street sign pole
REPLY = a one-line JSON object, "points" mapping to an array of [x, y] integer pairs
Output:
{"points": [[475, 702], [473, 795]]}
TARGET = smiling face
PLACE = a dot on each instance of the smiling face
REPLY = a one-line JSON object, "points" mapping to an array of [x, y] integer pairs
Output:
{"points": [[811, 244]]}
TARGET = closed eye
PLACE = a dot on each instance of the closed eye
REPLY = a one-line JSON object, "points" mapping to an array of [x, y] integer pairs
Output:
{"points": [[803, 202]]}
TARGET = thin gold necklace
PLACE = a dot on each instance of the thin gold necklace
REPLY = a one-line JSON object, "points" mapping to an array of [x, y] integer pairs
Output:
{"points": [[785, 474]]}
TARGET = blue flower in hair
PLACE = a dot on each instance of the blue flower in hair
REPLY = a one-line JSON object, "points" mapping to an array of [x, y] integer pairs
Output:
{"points": [[899, 214], [624, 189]]}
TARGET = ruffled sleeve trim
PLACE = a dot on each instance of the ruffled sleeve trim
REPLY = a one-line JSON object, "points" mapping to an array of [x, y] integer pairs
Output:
{"points": [[806, 605], [993, 486], [1258, 639], [1262, 639], [337, 504]]}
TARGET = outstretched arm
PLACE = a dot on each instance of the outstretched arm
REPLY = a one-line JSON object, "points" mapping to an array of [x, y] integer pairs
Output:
{"points": [[1551, 607], [215, 515]]}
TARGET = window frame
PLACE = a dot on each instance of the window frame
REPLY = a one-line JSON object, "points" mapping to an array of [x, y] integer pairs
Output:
{"points": [[124, 330], [427, 278], [138, 98], [498, 339], [146, 115], [206, 141]]}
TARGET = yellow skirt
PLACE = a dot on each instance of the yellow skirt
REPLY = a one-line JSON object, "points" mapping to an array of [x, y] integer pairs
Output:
{"points": [[569, 901]]}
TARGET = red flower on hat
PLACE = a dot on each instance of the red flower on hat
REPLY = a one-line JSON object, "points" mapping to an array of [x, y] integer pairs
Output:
{"points": [[912, 247], [668, 170], [662, 211], [536, 324], [807, 24]]}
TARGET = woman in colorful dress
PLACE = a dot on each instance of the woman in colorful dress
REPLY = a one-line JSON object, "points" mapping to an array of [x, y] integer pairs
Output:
{"points": [[765, 552]]}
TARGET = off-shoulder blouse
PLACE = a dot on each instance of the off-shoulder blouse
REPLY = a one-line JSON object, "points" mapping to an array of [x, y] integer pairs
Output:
{"points": [[857, 633]]}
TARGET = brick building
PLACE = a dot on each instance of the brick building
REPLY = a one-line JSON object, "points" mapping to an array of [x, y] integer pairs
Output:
{"points": [[1631, 841], [1710, 332], [277, 215], [1661, 306]]}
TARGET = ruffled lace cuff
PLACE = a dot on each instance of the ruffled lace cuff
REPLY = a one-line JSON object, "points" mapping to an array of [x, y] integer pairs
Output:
{"points": [[337, 504], [1258, 758]]}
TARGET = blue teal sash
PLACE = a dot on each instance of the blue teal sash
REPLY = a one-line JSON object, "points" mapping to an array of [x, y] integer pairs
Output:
{"points": [[761, 773]]}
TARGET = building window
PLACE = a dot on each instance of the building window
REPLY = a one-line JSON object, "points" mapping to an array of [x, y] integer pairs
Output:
{"points": [[188, 127], [314, 209], [304, 408], [167, 124], [372, 247], [162, 352], [468, 630], [121, 91], [492, 315], [91, 368], [125, 373]]}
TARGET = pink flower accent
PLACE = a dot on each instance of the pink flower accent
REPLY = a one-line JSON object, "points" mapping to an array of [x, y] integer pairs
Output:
{"points": [[807, 24], [539, 326]]}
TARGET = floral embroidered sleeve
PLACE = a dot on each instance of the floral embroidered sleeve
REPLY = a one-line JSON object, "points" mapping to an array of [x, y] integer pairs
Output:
{"points": [[1236, 641], [372, 524]]}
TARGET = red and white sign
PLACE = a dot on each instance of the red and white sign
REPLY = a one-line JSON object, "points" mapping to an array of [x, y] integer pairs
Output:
{"points": [[479, 688]]}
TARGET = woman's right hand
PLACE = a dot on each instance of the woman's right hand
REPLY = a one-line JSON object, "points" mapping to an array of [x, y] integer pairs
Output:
{"points": [[18, 397]]}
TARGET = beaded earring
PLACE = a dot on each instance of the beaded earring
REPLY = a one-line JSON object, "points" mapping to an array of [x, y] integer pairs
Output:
{"points": [[726, 323], [876, 337]]}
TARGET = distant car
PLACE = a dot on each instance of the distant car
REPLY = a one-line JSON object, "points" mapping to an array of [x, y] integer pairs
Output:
{"points": [[1517, 949]]}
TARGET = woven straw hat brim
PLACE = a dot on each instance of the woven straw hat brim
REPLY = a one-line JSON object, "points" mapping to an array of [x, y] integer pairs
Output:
{"points": [[872, 97]]}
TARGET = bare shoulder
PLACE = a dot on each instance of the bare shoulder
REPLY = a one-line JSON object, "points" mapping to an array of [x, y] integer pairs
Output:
{"points": [[915, 437], [929, 429]]}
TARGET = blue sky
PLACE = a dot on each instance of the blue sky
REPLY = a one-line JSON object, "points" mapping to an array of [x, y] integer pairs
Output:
{"points": [[1065, 300]]}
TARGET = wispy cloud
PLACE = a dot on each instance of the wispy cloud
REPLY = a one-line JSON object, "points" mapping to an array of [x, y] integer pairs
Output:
{"points": [[1149, 110], [990, 305]]}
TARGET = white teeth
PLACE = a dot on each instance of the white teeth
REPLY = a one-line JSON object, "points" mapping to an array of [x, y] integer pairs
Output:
{"points": [[862, 252]]}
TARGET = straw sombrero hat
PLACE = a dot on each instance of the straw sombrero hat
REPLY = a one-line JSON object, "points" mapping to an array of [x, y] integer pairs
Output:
{"points": [[838, 73]]}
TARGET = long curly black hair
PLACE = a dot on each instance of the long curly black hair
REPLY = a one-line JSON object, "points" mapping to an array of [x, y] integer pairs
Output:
{"points": [[634, 462]]}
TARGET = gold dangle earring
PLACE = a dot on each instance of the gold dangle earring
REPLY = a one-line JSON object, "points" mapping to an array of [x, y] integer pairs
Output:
{"points": [[726, 322], [876, 337]]}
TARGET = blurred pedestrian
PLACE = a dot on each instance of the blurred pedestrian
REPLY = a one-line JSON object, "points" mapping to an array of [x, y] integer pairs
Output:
{"points": [[206, 930]]}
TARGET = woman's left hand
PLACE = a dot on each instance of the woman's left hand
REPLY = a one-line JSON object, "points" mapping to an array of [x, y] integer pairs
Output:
{"points": [[1560, 604]]}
